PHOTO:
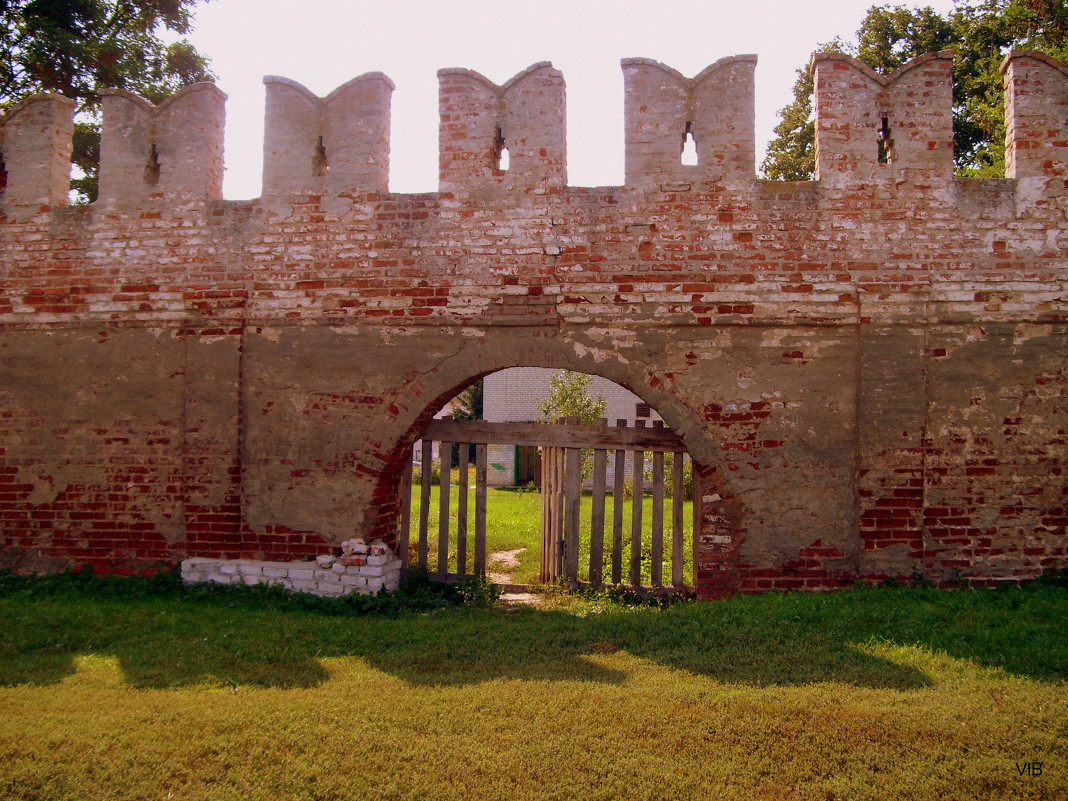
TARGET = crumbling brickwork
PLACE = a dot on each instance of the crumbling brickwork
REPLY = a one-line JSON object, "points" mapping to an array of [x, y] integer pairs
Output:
{"points": [[868, 368]]}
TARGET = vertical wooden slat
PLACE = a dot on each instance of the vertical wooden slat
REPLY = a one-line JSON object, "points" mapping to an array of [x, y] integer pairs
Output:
{"points": [[405, 533], [444, 493], [548, 466], [617, 519], [637, 478], [544, 575], [461, 510], [546, 528], [550, 545], [558, 516], [480, 510], [573, 501], [657, 544], [677, 501], [600, 473], [698, 492], [424, 504], [548, 456]]}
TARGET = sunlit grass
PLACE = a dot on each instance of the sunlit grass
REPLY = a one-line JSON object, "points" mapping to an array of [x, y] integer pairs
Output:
{"points": [[864, 694]]}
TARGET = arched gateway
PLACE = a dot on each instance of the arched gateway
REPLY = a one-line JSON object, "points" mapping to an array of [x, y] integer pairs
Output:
{"points": [[472, 357], [638, 526], [868, 368]]}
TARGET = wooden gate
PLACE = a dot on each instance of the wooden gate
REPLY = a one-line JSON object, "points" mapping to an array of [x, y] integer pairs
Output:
{"points": [[649, 558]]}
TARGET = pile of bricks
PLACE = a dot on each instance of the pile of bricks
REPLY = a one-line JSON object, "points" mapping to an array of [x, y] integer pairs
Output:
{"points": [[364, 568]]}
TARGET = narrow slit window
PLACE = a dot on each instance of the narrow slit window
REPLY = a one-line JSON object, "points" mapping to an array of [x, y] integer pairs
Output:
{"points": [[689, 147], [152, 166], [3, 173], [320, 164], [500, 152], [886, 143]]}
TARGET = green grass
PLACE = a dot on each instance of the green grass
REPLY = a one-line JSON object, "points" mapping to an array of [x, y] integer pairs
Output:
{"points": [[145, 690], [513, 520]]}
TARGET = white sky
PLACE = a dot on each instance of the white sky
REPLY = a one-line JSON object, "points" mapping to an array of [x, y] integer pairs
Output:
{"points": [[323, 43]]}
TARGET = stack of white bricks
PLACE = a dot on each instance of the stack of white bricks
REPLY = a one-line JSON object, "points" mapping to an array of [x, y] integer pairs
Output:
{"points": [[365, 573]]}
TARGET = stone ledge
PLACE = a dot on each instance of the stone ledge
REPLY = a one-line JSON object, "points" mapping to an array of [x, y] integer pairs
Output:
{"points": [[309, 577]]}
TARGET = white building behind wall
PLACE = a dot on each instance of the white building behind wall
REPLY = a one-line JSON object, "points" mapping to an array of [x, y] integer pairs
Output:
{"points": [[513, 396]]}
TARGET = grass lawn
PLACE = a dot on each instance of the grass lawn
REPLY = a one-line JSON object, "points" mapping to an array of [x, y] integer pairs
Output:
{"points": [[224, 693], [513, 521]]}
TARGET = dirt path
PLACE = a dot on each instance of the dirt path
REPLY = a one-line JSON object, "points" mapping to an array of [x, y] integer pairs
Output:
{"points": [[501, 564], [499, 570]]}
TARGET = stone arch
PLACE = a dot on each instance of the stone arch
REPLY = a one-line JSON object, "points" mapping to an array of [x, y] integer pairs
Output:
{"points": [[419, 399]]}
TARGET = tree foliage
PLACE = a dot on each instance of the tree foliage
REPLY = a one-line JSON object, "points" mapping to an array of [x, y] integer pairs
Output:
{"points": [[979, 33], [791, 153], [569, 396], [468, 405], [76, 48]]}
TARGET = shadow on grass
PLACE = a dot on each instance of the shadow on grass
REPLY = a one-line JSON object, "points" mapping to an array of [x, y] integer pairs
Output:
{"points": [[528, 644], [172, 642]]}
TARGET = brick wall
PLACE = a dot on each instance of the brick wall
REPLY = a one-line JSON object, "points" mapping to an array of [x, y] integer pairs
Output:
{"points": [[869, 368]]}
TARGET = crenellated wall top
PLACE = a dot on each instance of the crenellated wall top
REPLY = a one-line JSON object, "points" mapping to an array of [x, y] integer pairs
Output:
{"points": [[269, 80], [678, 76], [151, 108], [511, 138], [495, 88], [882, 80]]}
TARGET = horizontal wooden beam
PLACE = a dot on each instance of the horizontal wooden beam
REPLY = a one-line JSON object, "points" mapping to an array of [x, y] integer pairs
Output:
{"points": [[641, 592], [555, 435]]}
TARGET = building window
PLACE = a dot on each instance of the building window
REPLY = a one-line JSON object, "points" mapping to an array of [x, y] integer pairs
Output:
{"points": [[642, 410]]}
